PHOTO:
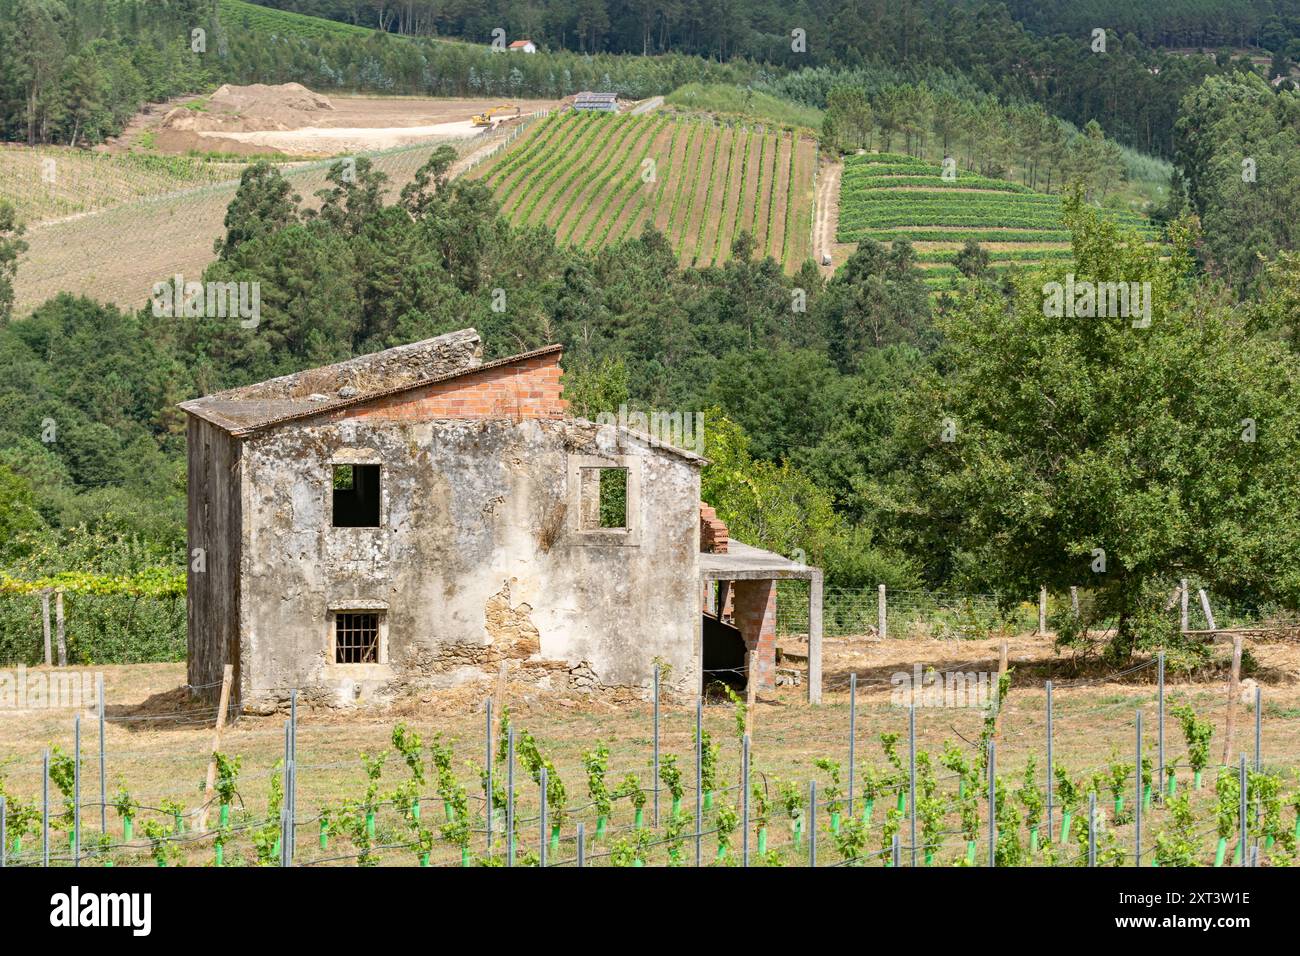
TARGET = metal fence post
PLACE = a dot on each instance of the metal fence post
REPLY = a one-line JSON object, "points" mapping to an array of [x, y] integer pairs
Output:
{"points": [[103, 776], [1259, 729], [1182, 613], [76, 790], [895, 852], [487, 705], [1092, 828], [911, 786], [699, 779], [45, 808], [1245, 850], [853, 727], [881, 614], [1049, 760], [1137, 803], [510, 796], [656, 753], [582, 846], [744, 800], [812, 822], [286, 766], [993, 804], [1160, 722], [291, 792], [542, 798]]}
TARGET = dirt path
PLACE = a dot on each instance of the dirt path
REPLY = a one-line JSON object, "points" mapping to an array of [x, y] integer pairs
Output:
{"points": [[828, 212], [687, 142], [697, 188], [781, 197]]}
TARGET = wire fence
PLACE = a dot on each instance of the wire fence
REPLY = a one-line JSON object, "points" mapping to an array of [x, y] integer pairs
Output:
{"points": [[921, 614], [893, 785]]}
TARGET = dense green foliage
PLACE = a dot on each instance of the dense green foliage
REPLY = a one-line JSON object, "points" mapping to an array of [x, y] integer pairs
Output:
{"points": [[1239, 161], [80, 67]]}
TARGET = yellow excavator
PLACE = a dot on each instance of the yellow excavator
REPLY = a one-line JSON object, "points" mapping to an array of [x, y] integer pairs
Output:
{"points": [[485, 118]]}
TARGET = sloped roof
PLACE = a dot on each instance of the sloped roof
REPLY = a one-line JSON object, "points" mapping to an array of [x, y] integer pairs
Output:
{"points": [[241, 411], [360, 379]]}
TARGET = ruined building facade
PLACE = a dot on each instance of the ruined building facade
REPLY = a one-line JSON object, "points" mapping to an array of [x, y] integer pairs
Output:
{"points": [[411, 518]]}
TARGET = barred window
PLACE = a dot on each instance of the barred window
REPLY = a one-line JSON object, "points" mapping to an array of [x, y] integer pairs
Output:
{"points": [[356, 637]]}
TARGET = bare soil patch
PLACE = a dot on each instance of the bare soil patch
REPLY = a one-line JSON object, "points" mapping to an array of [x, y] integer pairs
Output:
{"points": [[292, 120]]}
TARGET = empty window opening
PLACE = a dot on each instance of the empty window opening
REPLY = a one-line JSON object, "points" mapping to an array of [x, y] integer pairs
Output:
{"points": [[725, 654], [356, 637], [604, 498], [356, 496]]}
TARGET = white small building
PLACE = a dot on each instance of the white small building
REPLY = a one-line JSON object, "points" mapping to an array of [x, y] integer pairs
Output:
{"points": [[523, 46]]}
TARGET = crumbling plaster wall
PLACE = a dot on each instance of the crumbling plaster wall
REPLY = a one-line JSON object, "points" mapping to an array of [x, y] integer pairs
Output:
{"points": [[475, 558]]}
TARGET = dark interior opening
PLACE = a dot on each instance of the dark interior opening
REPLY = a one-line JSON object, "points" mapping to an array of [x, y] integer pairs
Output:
{"points": [[724, 654], [356, 496], [356, 637]]}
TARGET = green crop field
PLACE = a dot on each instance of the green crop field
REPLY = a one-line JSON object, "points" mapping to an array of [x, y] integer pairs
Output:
{"points": [[265, 20], [597, 179], [886, 197]]}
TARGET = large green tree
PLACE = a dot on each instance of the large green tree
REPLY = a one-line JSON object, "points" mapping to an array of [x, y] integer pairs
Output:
{"points": [[1087, 451]]}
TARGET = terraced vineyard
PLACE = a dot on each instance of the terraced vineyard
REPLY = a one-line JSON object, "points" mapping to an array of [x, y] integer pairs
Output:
{"points": [[597, 179], [241, 14], [885, 196], [50, 182]]}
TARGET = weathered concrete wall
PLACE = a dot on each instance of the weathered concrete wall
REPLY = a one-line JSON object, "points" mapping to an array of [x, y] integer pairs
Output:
{"points": [[477, 558], [212, 609]]}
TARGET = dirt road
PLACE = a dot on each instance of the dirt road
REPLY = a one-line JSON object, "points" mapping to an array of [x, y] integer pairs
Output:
{"points": [[828, 214]]}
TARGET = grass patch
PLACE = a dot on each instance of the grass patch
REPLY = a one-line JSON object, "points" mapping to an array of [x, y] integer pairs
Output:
{"points": [[744, 103]]}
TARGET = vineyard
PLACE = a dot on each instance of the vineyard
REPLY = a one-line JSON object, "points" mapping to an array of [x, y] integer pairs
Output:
{"points": [[884, 196], [240, 15], [122, 245], [1110, 770], [52, 182], [599, 179]]}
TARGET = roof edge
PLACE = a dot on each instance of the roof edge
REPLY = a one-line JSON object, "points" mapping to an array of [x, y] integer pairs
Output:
{"points": [[194, 406]]}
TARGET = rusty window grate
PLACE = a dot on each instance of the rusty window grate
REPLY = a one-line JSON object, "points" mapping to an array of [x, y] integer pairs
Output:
{"points": [[356, 637]]}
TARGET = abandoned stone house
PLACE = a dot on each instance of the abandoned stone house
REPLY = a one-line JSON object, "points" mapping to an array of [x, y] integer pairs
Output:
{"points": [[409, 519]]}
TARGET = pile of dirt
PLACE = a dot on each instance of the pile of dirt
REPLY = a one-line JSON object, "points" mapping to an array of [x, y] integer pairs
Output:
{"points": [[246, 109]]}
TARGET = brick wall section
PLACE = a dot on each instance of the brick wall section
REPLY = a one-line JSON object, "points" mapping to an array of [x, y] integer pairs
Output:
{"points": [[529, 388], [713, 532], [755, 615]]}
